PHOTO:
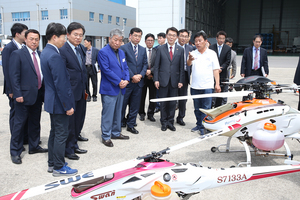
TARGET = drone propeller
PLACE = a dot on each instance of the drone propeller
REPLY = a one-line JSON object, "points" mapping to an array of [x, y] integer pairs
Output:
{"points": [[221, 94]]}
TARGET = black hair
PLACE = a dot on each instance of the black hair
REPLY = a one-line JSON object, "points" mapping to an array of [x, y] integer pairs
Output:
{"points": [[257, 36], [17, 28], [149, 35], [32, 31], [183, 30], [172, 29], [89, 39], [55, 29], [136, 29], [74, 26], [230, 40], [200, 33], [161, 35], [221, 33]]}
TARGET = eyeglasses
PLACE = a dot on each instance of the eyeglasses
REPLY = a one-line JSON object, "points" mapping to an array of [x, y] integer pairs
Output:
{"points": [[77, 35], [149, 40], [137, 36], [172, 35]]}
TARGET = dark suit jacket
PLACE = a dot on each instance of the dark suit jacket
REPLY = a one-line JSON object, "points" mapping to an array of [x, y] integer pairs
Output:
{"points": [[188, 48], [166, 69], [152, 59], [136, 67], [224, 58], [94, 59], [58, 93], [297, 74], [247, 61], [23, 76], [111, 71], [77, 73], [6, 53]]}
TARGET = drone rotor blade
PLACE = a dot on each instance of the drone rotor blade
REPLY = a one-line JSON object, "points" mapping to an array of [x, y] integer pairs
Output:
{"points": [[222, 94]]}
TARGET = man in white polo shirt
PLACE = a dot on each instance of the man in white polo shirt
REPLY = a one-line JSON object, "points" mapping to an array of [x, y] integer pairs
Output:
{"points": [[205, 68]]}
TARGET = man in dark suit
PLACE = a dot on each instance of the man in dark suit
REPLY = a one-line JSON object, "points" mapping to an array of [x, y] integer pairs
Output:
{"points": [[169, 76], [18, 33], [91, 54], [224, 55], [183, 40], [297, 79], [73, 56], [148, 80], [114, 79], [28, 94], [255, 59], [136, 59], [59, 99]]}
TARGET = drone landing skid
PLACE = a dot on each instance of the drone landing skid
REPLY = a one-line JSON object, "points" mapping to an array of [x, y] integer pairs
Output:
{"points": [[258, 152]]}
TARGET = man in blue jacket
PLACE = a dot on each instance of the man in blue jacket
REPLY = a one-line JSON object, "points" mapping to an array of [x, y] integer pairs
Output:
{"points": [[59, 99], [114, 79]]}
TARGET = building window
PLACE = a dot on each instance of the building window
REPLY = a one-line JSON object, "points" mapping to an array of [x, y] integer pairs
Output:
{"points": [[109, 19], [118, 21], [21, 16], [91, 16], [101, 18], [63, 14], [44, 14], [124, 20]]}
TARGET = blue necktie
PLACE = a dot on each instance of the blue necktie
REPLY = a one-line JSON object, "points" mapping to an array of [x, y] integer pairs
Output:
{"points": [[78, 56], [135, 52], [219, 50]]}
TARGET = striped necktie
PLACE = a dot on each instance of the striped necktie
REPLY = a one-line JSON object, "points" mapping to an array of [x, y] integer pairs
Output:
{"points": [[135, 52]]}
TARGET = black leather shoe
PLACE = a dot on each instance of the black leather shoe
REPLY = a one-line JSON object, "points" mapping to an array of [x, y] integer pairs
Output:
{"points": [[180, 122], [40, 142], [94, 99], [142, 117], [23, 149], [171, 127], [40, 150], [80, 151], [132, 130], [151, 118], [88, 99], [16, 159], [135, 125], [121, 137], [163, 127], [107, 143], [72, 156], [82, 139]]}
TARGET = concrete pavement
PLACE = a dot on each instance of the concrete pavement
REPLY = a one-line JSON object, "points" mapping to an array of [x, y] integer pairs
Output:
{"points": [[33, 171]]}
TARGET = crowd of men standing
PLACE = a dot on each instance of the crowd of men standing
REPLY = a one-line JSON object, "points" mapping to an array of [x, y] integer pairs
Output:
{"points": [[59, 77]]}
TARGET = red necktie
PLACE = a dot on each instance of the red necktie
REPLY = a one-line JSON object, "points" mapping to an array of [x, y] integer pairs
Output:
{"points": [[171, 53], [256, 60], [37, 70]]}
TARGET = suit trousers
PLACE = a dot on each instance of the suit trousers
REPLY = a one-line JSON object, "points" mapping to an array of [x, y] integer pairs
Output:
{"points": [[132, 97], [152, 95], [111, 115], [93, 77], [76, 122], [26, 114], [167, 108], [57, 140], [11, 120], [221, 101], [183, 91]]}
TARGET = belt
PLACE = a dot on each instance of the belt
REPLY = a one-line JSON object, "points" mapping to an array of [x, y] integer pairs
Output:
{"points": [[88, 65]]}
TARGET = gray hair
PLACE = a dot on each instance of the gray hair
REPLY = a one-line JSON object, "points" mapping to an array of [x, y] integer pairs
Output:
{"points": [[115, 31]]}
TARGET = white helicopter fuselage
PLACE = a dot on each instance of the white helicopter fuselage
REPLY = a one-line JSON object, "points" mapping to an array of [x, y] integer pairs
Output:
{"points": [[252, 119]]}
